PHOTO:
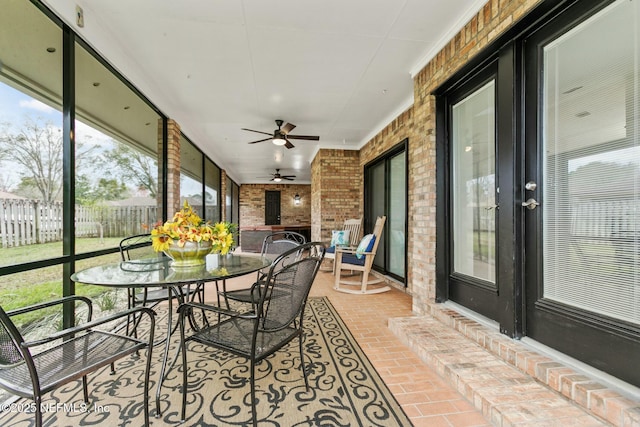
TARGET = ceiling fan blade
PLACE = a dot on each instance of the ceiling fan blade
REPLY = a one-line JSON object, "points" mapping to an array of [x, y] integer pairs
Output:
{"points": [[288, 144], [287, 128], [307, 137], [260, 140], [288, 176], [287, 179], [257, 131]]}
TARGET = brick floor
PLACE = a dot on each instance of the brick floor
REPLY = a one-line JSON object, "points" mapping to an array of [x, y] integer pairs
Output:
{"points": [[448, 370], [424, 394]]}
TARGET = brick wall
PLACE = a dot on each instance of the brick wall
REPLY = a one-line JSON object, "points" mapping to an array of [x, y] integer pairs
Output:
{"points": [[223, 195], [418, 124], [252, 204], [406, 127], [173, 167], [337, 184]]}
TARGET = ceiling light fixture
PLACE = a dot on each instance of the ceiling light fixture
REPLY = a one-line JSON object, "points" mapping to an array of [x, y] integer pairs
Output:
{"points": [[277, 179], [278, 138]]}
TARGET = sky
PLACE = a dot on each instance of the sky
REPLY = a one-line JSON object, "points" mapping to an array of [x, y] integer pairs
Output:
{"points": [[16, 106]]}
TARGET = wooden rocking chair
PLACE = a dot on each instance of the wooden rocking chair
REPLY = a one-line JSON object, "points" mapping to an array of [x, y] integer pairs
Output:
{"points": [[353, 226], [360, 260]]}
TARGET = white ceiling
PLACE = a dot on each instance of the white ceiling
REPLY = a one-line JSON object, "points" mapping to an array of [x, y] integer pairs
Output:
{"points": [[339, 69]]}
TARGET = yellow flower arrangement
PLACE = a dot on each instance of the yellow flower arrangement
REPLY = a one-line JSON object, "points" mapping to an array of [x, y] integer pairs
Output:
{"points": [[187, 226]]}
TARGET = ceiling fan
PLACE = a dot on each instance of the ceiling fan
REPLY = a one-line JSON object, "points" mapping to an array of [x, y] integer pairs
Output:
{"points": [[281, 135], [277, 177]]}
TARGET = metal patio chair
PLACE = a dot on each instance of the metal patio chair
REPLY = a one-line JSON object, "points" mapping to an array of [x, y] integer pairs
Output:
{"points": [[139, 247], [276, 320], [30, 369], [273, 245]]}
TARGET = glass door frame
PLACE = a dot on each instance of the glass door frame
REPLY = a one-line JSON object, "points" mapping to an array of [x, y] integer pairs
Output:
{"points": [[370, 214], [503, 302], [602, 342]]}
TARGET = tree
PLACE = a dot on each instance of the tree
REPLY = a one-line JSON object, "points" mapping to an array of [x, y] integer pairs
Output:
{"points": [[6, 183], [104, 189], [37, 151], [135, 167]]}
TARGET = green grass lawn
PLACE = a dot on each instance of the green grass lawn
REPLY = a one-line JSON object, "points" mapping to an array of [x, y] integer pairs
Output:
{"points": [[44, 284]]}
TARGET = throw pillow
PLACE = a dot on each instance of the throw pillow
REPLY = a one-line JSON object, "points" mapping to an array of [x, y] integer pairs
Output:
{"points": [[339, 238], [366, 245]]}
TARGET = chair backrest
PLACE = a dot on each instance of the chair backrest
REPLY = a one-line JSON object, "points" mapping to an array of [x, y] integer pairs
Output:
{"points": [[377, 231], [280, 242], [10, 339], [354, 226], [136, 247], [288, 286]]}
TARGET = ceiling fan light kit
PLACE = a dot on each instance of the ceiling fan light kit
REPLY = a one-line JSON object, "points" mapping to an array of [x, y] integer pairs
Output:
{"points": [[277, 177], [281, 135], [279, 140]]}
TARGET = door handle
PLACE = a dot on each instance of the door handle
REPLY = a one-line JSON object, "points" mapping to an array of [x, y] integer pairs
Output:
{"points": [[531, 204]]}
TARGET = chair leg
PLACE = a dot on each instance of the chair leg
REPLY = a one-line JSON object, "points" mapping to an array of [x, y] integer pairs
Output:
{"points": [[337, 265], [38, 400], [304, 371], [183, 349], [147, 375], [85, 389], [131, 319], [200, 290], [365, 280], [252, 380]]}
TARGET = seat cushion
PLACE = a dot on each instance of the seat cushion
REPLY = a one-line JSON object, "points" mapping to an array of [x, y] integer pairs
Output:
{"points": [[352, 259]]}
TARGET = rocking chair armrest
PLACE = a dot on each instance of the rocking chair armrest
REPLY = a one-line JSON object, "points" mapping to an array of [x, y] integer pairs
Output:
{"points": [[89, 325], [346, 249], [52, 303], [216, 309]]}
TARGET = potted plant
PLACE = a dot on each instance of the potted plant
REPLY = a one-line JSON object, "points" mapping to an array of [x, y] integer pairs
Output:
{"points": [[187, 239]]}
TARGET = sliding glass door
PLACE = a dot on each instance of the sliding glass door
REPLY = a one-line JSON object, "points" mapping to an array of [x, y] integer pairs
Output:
{"points": [[386, 194]]}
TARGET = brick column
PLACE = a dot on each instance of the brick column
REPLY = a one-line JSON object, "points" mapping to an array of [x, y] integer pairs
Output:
{"points": [[223, 195], [173, 168], [336, 191]]}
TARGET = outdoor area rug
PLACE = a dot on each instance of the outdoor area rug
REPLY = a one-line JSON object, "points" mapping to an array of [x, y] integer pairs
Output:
{"points": [[344, 389]]}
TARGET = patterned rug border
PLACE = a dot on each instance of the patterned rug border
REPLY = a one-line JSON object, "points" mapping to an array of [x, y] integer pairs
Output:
{"points": [[374, 376]]}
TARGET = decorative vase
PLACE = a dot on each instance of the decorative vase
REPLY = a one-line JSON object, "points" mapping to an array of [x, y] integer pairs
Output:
{"points": [[192, 254]]}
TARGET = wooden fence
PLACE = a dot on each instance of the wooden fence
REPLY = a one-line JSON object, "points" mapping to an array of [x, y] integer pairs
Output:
{"points": [[27, 222]]}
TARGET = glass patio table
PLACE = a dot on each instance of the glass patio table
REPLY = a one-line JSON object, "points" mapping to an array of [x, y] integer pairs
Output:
{"points": [[158, 272]]}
